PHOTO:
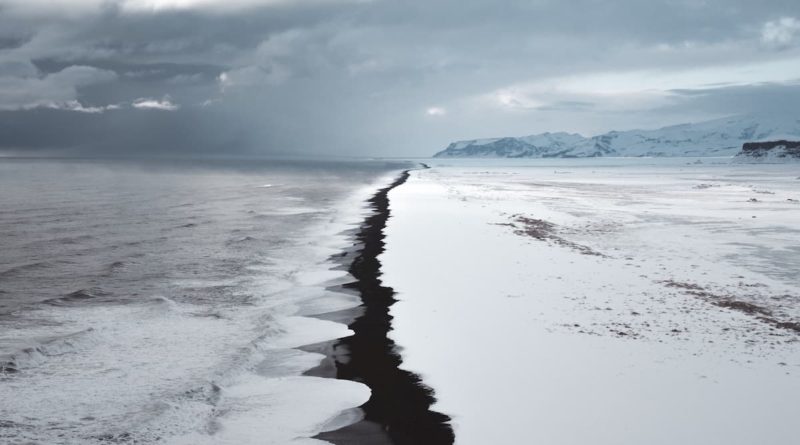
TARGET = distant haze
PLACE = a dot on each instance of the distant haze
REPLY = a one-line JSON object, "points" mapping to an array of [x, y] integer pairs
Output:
{"points": [[377, 77]]}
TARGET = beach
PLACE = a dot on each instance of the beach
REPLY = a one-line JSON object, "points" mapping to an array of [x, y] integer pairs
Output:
{"points": [[608, 302], [618, 301]]}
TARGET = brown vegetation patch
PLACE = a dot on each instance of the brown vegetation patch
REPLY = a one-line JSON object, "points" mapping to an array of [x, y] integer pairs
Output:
{"points": [[546, 231], [679, 285], [728, 302], [741, 306], [790, 325]]}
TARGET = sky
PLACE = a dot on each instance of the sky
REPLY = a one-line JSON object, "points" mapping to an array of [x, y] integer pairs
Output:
{"points": [[377, 77]]}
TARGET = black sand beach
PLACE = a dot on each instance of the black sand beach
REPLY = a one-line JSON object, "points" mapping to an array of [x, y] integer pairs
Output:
{"points": [[398, 411]]}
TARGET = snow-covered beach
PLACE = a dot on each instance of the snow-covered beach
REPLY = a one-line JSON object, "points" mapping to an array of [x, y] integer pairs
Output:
{"points": [[601, 301]]}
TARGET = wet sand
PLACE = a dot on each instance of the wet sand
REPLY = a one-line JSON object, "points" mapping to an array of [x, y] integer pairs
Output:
{"points": [[398, 412]]}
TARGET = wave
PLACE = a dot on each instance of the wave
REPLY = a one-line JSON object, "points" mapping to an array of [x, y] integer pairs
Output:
{"points": [[78, 239], [22, 268], [289, 211], [241, 240], [115, 266], [93, 295], [34, 355]]}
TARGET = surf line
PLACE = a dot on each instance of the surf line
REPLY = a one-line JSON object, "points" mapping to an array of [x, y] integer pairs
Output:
{"points": [[398, 411]]}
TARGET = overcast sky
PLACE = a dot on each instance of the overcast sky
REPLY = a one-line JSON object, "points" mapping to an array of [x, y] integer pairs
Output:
{"points": [[378, 77]]}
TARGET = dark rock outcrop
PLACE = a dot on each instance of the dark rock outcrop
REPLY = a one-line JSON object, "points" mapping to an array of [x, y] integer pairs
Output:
{"points": [[777, 149]]}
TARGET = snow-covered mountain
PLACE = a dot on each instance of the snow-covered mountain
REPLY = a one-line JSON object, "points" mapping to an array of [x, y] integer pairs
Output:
{"points": [[719, 137]]}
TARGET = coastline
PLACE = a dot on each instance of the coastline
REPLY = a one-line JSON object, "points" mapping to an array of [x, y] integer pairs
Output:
{"points": [[398, 411]]}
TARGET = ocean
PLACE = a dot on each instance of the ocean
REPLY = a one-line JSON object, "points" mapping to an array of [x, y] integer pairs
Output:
{"points": [[161, 301]]}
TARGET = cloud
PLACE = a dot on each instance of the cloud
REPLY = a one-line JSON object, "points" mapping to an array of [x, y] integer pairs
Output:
{"points": [[82, 7], [436, 111], [24, 92], [253, 76], [164, 104], [74, 105], [781, 33], [212, 5], [335, 76], [641, 89]]}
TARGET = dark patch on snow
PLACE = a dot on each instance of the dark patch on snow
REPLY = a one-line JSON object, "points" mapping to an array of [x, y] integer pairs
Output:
{"points": [[760, 313], [546, 231]]}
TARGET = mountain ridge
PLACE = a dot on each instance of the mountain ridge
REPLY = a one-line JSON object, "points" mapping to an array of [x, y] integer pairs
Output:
{"points": [[718, 137]]}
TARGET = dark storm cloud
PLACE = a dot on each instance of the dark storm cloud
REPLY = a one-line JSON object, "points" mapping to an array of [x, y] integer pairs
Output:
{"points": [[376, 77], [119, 133], [11, 41]]}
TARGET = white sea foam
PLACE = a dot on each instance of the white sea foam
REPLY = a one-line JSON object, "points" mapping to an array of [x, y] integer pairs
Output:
{"points": [[198, 356], [255, 410]]}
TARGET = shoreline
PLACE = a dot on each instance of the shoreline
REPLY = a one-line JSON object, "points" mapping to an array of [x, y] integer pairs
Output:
{"points": [[398, 411]]}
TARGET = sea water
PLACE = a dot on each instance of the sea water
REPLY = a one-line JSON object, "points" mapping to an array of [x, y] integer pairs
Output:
{"points": [[161, 301]]}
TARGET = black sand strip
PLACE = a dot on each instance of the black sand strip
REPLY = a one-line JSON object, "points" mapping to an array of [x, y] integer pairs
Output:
{"points": [[399, 410]]}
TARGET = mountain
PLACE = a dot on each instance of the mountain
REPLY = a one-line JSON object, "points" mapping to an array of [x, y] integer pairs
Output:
{"points": [[769, 152], [719, 137]]}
